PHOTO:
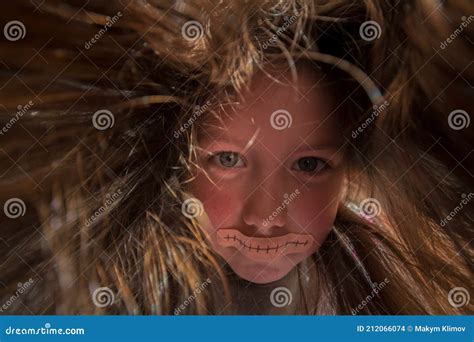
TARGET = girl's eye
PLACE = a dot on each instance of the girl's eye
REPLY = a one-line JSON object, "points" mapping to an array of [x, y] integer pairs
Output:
{"points": [[310, 164], [228, 159]]}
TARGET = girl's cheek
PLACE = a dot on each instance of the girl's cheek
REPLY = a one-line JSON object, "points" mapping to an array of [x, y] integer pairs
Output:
{"points": [[221, 208], [316, 209], [220, 203]]}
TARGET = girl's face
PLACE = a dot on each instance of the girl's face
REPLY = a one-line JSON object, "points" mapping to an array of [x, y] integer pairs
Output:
{"points": [[274, 176]]}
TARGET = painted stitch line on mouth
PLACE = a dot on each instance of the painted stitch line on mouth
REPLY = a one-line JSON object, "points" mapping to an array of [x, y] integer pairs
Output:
{"points": [[265, 248], [268, 248]]}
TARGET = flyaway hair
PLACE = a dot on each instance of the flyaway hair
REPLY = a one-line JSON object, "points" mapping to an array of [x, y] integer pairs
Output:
{"points": [[93, 95]]}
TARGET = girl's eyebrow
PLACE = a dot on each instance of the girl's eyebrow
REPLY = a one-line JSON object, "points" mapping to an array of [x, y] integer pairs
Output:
{"points": [[215, 136], [223, 138], [248, 142], [316, 147]]}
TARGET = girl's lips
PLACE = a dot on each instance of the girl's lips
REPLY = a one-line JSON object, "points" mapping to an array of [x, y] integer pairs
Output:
{"points": [[265, 248]]}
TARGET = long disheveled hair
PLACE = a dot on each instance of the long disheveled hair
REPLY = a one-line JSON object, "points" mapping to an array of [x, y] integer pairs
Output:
{"points": [[94, 99]]}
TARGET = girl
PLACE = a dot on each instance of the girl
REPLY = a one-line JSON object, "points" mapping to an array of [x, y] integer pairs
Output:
{"points": [[163, 157]]}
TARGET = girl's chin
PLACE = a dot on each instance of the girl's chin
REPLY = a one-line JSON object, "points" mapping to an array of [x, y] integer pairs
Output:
{"points": [[261, 273]]}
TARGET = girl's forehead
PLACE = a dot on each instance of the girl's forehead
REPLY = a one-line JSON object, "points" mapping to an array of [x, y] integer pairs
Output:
{"points": [[281, 107]]}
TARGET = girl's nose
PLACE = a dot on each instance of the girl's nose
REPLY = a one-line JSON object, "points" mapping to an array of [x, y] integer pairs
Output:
{"points": [[265, 207]]}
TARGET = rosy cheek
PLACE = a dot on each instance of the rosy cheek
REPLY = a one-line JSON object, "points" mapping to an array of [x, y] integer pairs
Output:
{"points": [[219, 203], [220, 209], [315, 212]]}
